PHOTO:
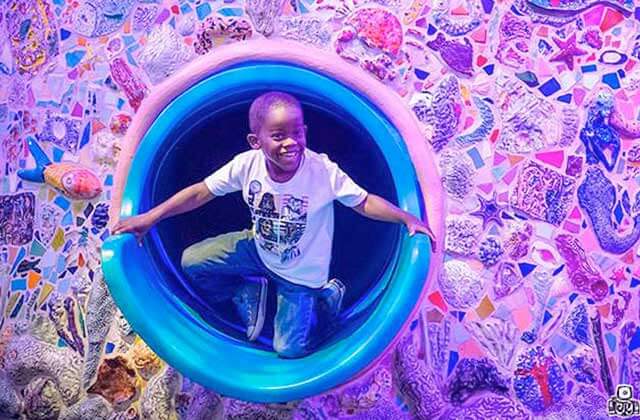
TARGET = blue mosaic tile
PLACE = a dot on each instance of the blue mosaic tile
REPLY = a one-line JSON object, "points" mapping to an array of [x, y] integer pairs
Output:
{"points": [[565, 98], [421, 74], [550, 87], [87, 210], [453, 361], [526, 268], [86, 135], [63, 285], [67, 245], [590, 68], [529, 78], [37, 249], [476, 158], [128, 40], [230, 11], [61, 263], [74, 57], [130, 57], [18, 284], [203, 10], [611, 341], [489, 69], [611, 79], [498, 172], [67, 219], [57, 154], [617, 212], [64, 34], [634, 343]]}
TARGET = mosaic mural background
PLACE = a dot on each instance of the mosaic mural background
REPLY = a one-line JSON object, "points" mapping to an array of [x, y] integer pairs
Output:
{"points": [[532, 107]]}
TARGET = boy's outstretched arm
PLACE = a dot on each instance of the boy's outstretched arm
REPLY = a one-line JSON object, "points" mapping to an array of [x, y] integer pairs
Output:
{"points": [[183, 201], [377, 208]]}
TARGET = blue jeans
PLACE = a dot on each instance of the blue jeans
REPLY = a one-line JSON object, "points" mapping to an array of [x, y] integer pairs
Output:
{"points": [[225, 257]]}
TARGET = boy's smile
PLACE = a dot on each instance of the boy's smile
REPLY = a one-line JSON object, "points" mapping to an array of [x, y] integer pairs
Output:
{"points": [[282, 138]]}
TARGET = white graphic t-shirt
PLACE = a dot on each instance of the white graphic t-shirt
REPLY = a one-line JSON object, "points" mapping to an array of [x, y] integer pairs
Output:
{"points": [[293, 220]]}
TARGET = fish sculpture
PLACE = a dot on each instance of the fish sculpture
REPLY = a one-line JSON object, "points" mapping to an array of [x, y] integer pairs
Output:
{"points": [[575, 7], [97, 18], [561, 12], [71, 179], [458, 56]]}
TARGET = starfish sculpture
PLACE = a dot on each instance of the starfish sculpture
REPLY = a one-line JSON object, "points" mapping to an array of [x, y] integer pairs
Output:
{"points": [[489, 210], [568, 50]]}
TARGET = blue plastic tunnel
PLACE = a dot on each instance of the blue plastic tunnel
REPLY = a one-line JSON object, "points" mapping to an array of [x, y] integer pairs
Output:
{"points": [[384, 269]]}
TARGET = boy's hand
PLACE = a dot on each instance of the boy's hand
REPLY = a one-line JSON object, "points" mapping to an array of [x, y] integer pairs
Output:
{"points": [[138, 225], [415, 225]]}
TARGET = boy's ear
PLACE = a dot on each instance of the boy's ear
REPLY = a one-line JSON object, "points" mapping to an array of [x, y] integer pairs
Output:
{"points": [[253, 141]]}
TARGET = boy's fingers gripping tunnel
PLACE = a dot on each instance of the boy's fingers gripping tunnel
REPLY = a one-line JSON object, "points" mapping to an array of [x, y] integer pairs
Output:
{"points": [[194, 122]]}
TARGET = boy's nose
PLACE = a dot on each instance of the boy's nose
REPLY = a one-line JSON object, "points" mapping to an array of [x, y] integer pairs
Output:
{"points": [[289, 141]]}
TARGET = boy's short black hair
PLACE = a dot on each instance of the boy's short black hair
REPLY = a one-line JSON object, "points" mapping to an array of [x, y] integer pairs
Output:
{"points": [[262, 103]]}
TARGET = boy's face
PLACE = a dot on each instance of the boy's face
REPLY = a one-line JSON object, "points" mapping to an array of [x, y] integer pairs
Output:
{"points": [[282, 138]]}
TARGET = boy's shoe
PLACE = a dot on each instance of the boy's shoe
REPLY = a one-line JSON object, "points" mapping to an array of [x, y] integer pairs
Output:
{"points": [[333, 293], [251, 302]]}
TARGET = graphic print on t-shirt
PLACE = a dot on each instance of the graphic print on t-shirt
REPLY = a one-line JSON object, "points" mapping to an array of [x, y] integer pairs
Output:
{"points": [[279, 220]]}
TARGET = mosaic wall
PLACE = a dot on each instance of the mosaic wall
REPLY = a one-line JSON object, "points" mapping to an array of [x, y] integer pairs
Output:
{"points": [[532, 108]]}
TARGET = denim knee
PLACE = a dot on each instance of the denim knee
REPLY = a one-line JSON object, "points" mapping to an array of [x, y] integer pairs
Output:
{"points": [[189, 260], [290, 351]]}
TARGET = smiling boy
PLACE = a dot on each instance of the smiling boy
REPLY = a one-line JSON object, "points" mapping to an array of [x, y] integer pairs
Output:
{"points": [[290, 191]]}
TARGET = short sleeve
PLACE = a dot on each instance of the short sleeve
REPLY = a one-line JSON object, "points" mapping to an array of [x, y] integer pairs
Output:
{"points": [[344, 189], [227, 179]]}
